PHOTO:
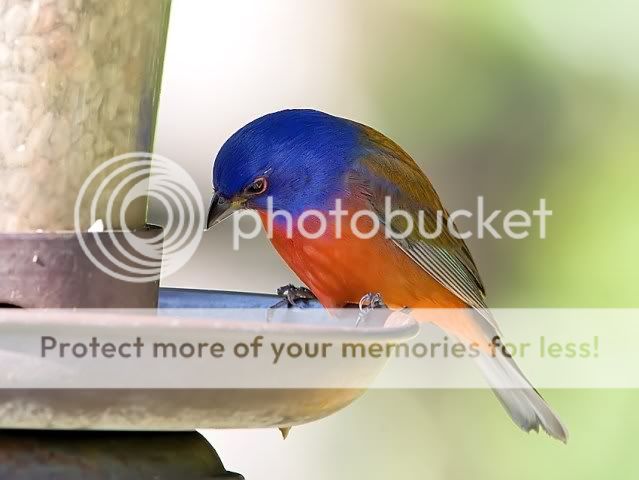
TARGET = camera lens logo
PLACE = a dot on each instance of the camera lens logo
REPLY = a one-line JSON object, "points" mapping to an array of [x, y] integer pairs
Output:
{"points": [[117, 191]]}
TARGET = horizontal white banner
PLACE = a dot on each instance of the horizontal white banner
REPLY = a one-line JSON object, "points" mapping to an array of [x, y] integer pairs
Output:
{"points": [[314, 348]]}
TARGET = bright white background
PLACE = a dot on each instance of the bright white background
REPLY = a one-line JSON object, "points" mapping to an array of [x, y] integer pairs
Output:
{"points": [[226, 64]]}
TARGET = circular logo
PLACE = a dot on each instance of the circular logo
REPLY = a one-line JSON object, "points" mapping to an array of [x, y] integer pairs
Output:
{"points": [[117, 190]]}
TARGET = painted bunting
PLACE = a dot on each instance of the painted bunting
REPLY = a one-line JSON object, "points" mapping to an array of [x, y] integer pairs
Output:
{"points": [[309, 163]]}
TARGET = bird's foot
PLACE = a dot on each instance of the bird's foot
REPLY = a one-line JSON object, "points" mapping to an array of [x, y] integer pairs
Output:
{"points": [[367, 304], [293, 296]]}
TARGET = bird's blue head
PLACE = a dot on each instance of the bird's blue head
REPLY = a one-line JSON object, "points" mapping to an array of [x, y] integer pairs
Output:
{"points": [[298, 158]]}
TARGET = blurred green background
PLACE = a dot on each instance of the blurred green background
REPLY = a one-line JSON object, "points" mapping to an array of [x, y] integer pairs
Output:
{"points": [[518, 101], [511, 100]]}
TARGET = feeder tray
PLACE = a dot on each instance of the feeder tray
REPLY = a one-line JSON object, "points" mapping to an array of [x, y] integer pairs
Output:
{"points": [[161, 408]]}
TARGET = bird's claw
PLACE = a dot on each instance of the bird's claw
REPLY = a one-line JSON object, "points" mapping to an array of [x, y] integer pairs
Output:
{"points": [[295, 294], [368, 303], [292, 296]]}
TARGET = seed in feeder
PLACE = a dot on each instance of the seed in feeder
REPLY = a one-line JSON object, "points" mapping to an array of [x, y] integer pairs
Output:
{"points": [[97, 227], [70, 90]]}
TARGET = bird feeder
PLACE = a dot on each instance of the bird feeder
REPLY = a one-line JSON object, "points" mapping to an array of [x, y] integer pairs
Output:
{"points": [[79, 85]]}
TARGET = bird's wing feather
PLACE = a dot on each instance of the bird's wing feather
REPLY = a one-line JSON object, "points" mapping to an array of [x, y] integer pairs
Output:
{"points": [[386, 171]]}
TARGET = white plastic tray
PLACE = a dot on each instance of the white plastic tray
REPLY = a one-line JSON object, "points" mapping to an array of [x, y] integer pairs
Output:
{"points": [[52, 393]]}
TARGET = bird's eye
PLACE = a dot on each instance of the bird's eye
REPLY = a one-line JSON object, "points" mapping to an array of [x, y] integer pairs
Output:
{"points": [[257, 187]]}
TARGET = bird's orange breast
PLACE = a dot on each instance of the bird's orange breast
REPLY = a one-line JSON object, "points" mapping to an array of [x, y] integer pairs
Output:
{"points": [[342, 270]]}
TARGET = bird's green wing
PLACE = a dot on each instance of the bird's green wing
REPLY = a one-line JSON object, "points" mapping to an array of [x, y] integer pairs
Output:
{"points": [[386, 171]]}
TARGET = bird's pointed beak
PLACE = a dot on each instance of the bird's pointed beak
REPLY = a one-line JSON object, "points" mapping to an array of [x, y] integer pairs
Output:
{"points": [[221, 208]]}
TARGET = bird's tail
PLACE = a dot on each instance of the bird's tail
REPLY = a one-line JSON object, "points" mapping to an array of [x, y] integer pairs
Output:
{"points": [[519, 398], [517, 395]]}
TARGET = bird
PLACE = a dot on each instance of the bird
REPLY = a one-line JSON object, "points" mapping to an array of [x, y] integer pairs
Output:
{"points": [[303, 160]]}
